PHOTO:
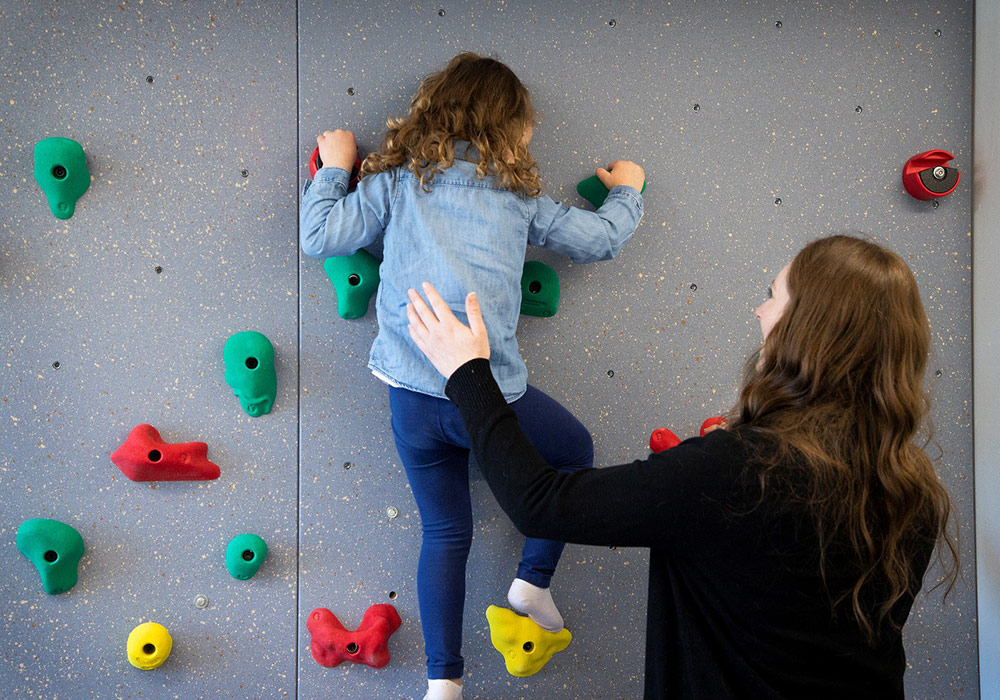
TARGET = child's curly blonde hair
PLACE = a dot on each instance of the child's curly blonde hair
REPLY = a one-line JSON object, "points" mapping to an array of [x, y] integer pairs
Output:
{"points": [[474, 99]]}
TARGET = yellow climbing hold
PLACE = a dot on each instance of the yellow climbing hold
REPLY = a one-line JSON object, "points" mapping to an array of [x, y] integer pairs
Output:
{"points": [[148, 646], [525, 646]]}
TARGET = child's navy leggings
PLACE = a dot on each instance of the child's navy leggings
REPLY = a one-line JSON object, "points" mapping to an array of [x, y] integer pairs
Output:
{"points": [[434, 449]]}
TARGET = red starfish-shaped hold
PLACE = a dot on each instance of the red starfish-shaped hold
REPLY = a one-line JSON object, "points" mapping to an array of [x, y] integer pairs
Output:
{"points": [[144, 456], [368, 644]]}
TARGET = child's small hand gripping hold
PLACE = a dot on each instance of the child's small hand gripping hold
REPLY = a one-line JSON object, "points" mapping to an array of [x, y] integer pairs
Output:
{"points": [[447, 342], [337, 148], [622, 172]]}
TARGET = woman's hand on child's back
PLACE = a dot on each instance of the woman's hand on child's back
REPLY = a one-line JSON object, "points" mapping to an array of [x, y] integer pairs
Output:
{"points": [[622, 172], [337, 148], [447, 342]]}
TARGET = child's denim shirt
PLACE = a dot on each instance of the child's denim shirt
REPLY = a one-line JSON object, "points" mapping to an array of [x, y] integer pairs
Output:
{"points": [[466, 235]]}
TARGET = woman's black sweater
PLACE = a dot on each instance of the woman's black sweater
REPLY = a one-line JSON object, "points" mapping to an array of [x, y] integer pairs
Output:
{"points": [[736, 608]]}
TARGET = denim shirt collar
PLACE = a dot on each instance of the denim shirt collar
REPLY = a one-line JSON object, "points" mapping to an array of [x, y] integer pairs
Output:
{"points": [[464, 150]]}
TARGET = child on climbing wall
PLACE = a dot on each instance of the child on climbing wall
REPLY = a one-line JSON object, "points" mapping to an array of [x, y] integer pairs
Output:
{"points": [[456, 194]]}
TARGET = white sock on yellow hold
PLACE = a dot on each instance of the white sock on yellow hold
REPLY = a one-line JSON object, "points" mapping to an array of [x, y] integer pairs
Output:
{"points": [[528, 599]]}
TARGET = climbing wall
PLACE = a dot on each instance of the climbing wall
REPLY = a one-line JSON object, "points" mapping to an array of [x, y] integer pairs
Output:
{"points": [[761, 125]]}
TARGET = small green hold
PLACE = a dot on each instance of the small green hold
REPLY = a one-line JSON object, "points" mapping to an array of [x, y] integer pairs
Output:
{"points": [[54, 548], [594, 191], [61, 172], [244, 555], [249, 360], [539, 289], [355, 278]]}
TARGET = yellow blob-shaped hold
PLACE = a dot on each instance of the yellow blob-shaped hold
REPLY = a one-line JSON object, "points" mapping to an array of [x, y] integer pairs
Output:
{"points": [[525, 646], [148, 646]]}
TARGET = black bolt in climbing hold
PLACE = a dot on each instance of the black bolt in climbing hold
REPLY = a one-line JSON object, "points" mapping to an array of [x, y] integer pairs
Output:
{"points": [[528, 647], [245, 172], [149, 79], [350, 91], [55, 365], [360, 272]]}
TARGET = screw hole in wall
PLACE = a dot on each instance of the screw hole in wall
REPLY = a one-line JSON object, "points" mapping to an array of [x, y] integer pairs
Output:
{"points": [[937, 32], [50, 556], [392, 595], [694, 287], [611, 373], [778, 24], [245, 173], [149, 79], [612, 23], [859, 109], [350, 91], [347, 465], [56, 365], [935, 204], [938, 373], [777, 201], [697, 108], [154, 456], [441, 12], [252, 363], [158, 269]]}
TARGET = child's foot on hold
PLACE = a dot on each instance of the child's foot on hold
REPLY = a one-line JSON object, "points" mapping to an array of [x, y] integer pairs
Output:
{"points": [[528, 599], [443, 689]]}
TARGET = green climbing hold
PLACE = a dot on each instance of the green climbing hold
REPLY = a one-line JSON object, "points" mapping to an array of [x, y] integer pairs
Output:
{"points": [[244, 555], [355, 278], [539, 289], [249, 360], [594, 191], [61, 172], [54, 548]]}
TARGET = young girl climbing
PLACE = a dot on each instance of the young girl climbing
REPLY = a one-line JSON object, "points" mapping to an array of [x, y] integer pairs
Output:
{"points": [[456, 194]]}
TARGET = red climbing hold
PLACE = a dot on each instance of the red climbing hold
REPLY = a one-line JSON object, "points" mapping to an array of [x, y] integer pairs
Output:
{"points": [[927, 175], [315, 163], [144, 456], [662, 439], [719, 421], [368, 644]]}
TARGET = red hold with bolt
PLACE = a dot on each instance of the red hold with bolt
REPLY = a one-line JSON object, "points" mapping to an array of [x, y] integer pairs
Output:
{"points": [[144, 456], [927, 175], [332, 644]]}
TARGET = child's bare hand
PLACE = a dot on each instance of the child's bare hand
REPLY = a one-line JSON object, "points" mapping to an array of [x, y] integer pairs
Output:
{"points": [[337, 148], [622, 172]]}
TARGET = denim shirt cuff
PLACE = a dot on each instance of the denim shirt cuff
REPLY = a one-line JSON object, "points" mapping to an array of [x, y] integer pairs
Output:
{"points": [[628, 191], [330, 175]]}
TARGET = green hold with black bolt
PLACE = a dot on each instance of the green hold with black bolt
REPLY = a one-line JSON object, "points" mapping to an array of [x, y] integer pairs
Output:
{"points": [[594, 191], [539, 289], [248, 357], [61, 172], [355, 278], [244, 555], [55, 549]]}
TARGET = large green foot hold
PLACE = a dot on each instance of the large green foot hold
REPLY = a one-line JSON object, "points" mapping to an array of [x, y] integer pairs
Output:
{"points": [[61, 172], [244, 555], [355, 278], [539, 289], [249, 360], [594, 191], [55, 549]]}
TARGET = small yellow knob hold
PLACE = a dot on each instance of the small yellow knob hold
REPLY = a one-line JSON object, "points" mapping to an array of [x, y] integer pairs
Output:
{"points": [[525, 646], [148, 646]]}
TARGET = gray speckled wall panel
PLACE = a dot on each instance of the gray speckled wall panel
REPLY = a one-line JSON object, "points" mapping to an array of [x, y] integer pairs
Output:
{"points": [[653, 338], [671, 318], [136, 346]]}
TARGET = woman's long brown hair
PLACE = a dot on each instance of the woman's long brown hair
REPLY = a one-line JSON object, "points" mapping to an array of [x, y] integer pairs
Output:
{"points": [[838, 387], [474, 99]]}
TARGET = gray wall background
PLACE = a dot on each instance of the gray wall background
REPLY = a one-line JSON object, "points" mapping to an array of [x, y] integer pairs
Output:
{"points": [[654, 338]]}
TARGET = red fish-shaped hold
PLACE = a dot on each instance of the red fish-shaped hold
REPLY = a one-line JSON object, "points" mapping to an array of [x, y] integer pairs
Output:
{"points": [[144, 456], [663, 439], [368, 644], [716, 421]]}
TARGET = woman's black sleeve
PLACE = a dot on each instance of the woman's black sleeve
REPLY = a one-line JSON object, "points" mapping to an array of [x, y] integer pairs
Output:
{"points": [[672, 499]]}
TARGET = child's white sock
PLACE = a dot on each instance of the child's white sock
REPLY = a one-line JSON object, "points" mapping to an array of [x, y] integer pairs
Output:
{"points": [[528, 599], [443, 689]]}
